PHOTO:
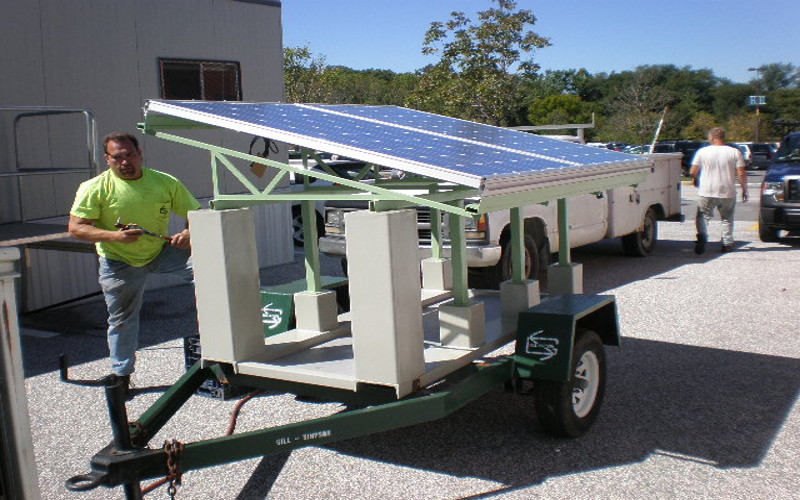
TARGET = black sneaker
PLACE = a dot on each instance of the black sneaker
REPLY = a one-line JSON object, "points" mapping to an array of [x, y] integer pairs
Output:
{"points": [[727, 248], [700, 244]]}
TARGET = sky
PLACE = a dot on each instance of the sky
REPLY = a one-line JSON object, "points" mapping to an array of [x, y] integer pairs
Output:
{"points": [[725, 36]]}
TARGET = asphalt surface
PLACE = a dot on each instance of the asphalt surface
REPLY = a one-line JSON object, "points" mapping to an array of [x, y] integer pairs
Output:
{"points": [[701, 402]]}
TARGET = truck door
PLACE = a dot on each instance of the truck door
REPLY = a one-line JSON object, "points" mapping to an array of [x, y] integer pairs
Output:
{"points": [[587, 218]]}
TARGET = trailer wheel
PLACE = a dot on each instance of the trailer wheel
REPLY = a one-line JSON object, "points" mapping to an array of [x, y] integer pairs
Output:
{"points": [[569, 408], [642, 243]]}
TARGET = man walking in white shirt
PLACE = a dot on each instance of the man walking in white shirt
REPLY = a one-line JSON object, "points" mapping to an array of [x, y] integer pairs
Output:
{"points": [[717, 167]]}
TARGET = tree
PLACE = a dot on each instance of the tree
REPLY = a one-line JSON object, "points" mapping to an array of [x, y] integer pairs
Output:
{"points": [[305, 75], [371, 86], [740, 127], [559, 109], [482, 64], [637, 108], [776, 76], [700, 124], [730, 100]]}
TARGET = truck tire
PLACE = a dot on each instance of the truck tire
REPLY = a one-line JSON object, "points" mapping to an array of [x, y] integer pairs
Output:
{"points": [[642, 243], [568, 409], [297, 226], [766, 233], [491, 277]]}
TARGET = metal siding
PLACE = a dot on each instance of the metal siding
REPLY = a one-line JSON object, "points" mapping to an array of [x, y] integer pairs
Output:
{"points": [[52, 277], [273, 234], [103, 55], [20, 38]]}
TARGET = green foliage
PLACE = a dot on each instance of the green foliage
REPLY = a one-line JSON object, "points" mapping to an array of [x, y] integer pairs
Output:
{"points": [[371, 86], [481, 64], [485, 73], [776, 76], [699, 126], [740, 127], [730, 99], [558, 109], [306, 76]]}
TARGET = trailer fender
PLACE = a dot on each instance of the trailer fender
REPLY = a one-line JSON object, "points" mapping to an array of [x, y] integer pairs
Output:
{"points": [[546, 333]]}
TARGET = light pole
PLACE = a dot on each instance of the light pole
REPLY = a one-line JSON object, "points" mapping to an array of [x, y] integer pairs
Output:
{"points": [[757, 100]]}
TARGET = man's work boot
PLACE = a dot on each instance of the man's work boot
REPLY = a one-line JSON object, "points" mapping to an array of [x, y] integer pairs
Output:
{"points": [[700, 244]]}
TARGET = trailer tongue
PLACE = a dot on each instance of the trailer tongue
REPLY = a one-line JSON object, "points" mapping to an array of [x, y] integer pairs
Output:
{"points": [[408, 350]]}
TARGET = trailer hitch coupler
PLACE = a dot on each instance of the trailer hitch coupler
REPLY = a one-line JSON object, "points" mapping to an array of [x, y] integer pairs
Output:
{"points": [[85, 482]]}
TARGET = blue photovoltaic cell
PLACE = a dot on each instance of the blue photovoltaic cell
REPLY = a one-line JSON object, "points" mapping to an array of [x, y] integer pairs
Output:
{"points": [[423, 139], [513, 139]]}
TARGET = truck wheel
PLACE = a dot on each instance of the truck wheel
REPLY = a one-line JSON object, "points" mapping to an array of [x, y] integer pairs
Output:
{"points": [[297, 226], [492, 276], [568, 409], [642, 243], [766, 233]]}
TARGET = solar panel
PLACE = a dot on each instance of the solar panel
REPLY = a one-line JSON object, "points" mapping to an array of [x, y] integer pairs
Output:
{"points": [[478, 132], [440, 147]]}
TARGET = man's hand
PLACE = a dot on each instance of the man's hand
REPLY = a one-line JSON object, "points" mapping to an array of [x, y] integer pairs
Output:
{"points": [[128, 235], [180, 240], [84, 229]]}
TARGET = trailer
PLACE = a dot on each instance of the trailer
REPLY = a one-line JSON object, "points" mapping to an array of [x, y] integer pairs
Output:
{"points": [[416, 343]]}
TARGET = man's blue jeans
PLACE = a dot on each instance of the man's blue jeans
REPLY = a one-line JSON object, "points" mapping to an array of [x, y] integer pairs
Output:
{"points": [[123, 287]]}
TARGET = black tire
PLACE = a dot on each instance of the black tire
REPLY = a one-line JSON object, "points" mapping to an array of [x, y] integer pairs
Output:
{"points": [[297, 226], [765, 233], [568, 409], [642, 243], [491, 277]]}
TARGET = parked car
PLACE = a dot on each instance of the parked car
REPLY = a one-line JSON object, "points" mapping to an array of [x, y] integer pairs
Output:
{"points": [[761, 155], [664, 148], [744, 147], [616, 146], [638, 149], [780, 191], [688, 148]]}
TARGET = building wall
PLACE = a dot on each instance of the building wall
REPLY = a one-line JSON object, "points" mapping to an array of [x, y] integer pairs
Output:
{"points": [[103, 55]]}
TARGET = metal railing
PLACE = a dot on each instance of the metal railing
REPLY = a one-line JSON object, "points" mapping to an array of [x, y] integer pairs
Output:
{"points": [[92, 147]]}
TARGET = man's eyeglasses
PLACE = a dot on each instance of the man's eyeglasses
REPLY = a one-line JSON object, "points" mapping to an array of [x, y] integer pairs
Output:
{"points": [[121, 157]]}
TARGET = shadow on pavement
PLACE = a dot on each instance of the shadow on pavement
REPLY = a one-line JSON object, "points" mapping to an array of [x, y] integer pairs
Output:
{"points": [[167, 314], [713, 406]]}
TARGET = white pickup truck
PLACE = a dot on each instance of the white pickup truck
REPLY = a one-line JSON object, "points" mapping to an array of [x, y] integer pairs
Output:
{"points": [[629, 213]]}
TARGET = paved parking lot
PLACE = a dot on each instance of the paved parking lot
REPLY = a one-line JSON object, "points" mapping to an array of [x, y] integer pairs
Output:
{"points": [[701, 399]]}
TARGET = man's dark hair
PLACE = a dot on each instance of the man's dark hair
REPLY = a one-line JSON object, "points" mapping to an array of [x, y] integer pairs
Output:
{"points": [[120, 137]]}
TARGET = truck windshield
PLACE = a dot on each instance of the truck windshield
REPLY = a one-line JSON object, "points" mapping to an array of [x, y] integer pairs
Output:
{"points": [[789, 150]]}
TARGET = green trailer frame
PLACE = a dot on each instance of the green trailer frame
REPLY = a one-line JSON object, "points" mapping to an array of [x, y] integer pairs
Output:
{"points": [[127, 460], [564, 321]]}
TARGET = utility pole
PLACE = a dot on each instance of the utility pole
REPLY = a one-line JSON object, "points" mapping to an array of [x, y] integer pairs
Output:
{"points": [[757, 100]]}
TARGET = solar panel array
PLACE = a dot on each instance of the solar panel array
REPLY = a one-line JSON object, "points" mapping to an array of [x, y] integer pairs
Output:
{"points": [[390, 136]]}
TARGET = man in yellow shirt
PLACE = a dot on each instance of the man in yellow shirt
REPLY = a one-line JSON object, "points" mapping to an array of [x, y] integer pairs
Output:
{"points": [[137, 195]]}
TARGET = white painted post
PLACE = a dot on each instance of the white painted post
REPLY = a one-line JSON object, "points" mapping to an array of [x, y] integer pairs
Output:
{"points": [[385, 294], [227, 284], [20, 471]]}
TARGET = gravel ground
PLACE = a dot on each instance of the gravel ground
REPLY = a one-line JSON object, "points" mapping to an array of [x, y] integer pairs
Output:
{"points": [[701, 399]]}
